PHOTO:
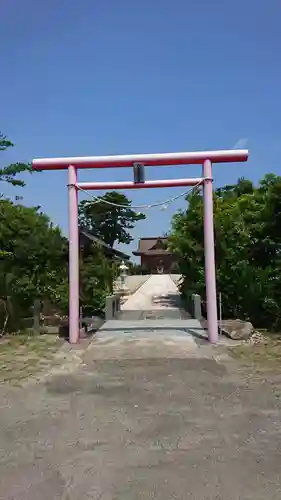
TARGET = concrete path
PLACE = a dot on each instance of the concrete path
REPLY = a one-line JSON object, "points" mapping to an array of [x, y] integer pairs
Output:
{"points": [[151, 320], [158, 292], [128, 339]]}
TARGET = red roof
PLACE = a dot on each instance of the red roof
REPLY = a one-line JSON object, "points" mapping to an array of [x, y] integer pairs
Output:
{"points": [[153, 245]]}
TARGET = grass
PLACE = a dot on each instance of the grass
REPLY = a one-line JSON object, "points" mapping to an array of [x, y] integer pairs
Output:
{"points": [[266, 355], [22, 356]]}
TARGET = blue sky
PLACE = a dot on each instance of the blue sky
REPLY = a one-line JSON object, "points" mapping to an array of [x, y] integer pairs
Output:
{"points": [[92, 77]]}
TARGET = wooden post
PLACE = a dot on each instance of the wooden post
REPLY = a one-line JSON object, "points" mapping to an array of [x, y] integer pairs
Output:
{"points": [[36, 315]]}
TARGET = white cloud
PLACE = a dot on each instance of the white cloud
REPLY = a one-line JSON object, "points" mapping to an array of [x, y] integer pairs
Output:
{"points": [[241, 143]]}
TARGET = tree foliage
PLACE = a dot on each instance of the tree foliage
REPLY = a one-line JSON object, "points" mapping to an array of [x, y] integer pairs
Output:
{"points": [[33, 263], [10, 172], [34, 256], [97, 274], [247, 244], [107, 220]]}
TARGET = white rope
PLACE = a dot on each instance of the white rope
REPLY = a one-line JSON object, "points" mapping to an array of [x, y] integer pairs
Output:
{"points": [[143, 207]]}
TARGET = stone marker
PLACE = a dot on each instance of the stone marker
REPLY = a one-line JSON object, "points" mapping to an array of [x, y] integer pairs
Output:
{"points": [[236, 329]]}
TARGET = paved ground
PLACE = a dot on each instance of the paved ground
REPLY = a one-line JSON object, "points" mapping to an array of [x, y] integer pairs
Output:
{"points": [[149, 295], [152, 323], [157, 298], [156, 414], [131, 338]]}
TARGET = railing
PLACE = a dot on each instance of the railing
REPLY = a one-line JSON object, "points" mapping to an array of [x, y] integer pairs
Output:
{"points": [[196, 309]]}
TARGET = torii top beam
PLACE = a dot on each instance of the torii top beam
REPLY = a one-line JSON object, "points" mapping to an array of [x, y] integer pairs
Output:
{"points": [[153, 159]]}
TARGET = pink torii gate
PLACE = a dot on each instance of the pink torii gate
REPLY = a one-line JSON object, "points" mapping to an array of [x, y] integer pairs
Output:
{"points": [[205, 158]]}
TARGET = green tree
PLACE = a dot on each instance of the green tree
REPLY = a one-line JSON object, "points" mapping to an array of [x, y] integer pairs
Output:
{"points": [[10, 172], [97, 274], [110, 219], [247, 244], [33, 263]]}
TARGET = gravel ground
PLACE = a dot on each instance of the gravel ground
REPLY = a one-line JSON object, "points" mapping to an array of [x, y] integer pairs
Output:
{"points": [[123, 429], [157, 414]]}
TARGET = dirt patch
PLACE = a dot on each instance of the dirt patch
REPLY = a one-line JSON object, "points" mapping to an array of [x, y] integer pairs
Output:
{"points": [[22, 356], [265, 354]]}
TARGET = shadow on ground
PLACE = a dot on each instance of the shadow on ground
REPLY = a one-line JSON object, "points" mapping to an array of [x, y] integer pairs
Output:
{"points": [[169, 300]]}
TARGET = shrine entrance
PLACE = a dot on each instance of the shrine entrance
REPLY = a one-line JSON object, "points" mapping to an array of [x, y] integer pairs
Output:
{"points": [[138, 162]]}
